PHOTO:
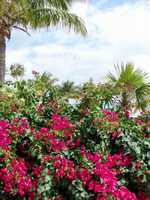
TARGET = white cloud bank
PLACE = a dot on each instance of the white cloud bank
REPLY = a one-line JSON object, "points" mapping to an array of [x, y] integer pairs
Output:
{"points": [[119, 34]]}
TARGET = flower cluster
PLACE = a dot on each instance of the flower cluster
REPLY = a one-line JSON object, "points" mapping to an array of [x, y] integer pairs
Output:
{"points": [[19, 126], [64, 168], [59, 123], [105, 172], [30, 152], [110, 115], [5, 140], [15, 176]]}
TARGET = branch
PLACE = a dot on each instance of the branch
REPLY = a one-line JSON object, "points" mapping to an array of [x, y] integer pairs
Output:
{"points": [[22, 29]]}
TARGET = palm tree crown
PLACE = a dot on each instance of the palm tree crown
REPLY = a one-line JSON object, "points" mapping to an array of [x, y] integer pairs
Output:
{"points": [[34, 14], [132, 85], [22, 14]]}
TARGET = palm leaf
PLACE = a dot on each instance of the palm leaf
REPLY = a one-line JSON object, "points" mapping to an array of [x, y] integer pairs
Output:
{"points": [[132, 85], [39, 14], [143, 96], [51, 17]]}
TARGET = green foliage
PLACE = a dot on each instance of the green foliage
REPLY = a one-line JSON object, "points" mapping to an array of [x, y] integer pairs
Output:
{"points": [[17, 70], [131, 85], [99, 129], [37, 14]]}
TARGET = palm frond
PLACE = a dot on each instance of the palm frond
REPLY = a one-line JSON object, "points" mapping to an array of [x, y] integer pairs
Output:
{"points": [[143, 96], [22, 29], [111, 77], [128, 75], [132, 85], [39, 14], [35, 4], [40, 18]]}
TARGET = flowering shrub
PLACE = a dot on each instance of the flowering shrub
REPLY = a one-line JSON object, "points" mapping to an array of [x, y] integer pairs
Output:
{"points": [[52, 150], [53, 163]]}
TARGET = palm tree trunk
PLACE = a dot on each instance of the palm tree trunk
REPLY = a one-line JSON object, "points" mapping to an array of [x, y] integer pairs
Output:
{"points": [[125, 102], [2, 57], [125, 105]]}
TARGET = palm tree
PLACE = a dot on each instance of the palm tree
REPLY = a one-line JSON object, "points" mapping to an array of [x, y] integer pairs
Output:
{"points": [[131, 85], [67, 86], [69, 90], [34, 14], [16, 71]]}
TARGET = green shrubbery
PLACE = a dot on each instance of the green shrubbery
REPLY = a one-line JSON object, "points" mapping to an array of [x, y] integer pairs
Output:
{"points": [[52, 149]]}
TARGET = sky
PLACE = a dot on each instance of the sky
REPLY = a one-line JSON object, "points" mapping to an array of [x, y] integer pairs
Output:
{"points": [[118, 31]]}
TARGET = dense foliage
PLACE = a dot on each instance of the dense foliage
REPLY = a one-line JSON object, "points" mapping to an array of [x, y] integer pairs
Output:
{"points": [[51, 148]]}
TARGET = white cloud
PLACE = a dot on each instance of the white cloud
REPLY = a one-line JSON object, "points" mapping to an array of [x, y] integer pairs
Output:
{"points": [[119, 34]]}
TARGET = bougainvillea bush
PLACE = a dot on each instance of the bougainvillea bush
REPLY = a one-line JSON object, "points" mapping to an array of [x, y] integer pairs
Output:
{"points": [[52, 163], [53, 150]]}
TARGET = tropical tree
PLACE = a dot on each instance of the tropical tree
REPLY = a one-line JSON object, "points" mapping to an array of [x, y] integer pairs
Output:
{"points": [[17, 70], [34, 14], [68, 89], [131, 85], [43, 82]]}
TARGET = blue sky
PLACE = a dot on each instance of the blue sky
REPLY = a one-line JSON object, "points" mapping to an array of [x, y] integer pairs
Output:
{"points": [[105, 4], [118, 31]]}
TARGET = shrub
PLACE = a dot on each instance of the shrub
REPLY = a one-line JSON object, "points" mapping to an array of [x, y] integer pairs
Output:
{"points": [[50, 149]]}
